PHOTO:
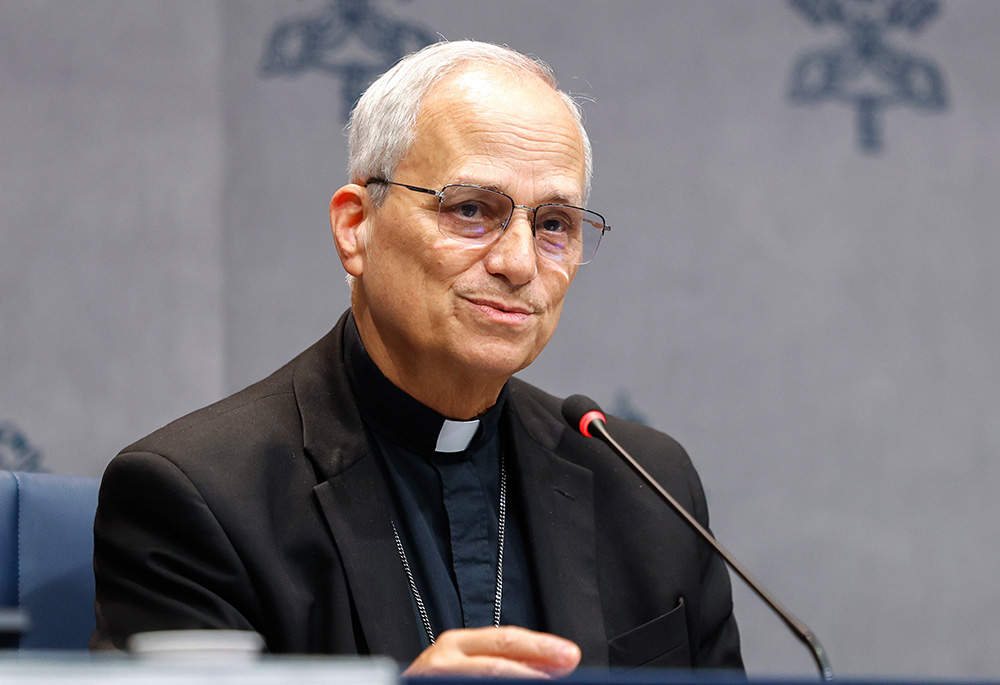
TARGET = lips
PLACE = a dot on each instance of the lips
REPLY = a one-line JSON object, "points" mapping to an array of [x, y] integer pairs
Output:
{"points": [[509, 308], [501, 311]]}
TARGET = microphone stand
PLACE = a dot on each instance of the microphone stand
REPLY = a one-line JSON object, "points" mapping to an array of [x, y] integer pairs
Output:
{"points": [[800, 629]]}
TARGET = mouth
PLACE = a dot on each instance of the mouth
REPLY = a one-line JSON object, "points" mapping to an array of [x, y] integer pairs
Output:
{"points": [[501, 311]]}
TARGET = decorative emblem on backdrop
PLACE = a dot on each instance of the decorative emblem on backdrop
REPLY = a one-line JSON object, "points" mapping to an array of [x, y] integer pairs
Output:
{"points": [[865, 71], [623, 408], [350, 40], [16, 453]]}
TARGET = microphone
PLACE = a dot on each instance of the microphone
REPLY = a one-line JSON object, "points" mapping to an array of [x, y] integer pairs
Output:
{"points": [[583, 414]]}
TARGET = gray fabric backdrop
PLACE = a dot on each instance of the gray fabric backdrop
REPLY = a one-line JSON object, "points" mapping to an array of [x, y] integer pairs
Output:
{"points": [[803, 296]]}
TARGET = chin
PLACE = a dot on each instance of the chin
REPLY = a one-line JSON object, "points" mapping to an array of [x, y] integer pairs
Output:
{"points": [[500, 360]]}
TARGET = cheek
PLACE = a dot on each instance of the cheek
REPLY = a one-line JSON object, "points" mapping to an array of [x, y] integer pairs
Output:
{"points": [[405, 254], [551, 321], [458, 264], [554, 293], [556, 284]]}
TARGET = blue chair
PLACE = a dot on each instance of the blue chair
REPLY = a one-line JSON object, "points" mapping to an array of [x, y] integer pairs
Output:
{"points": [[46, 556]]}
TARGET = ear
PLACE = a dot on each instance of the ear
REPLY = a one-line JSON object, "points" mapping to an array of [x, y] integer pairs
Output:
{"points": [[348, 211]]}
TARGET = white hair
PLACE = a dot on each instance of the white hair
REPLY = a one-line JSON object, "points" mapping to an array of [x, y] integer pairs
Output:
{"points": [[383, 122]]}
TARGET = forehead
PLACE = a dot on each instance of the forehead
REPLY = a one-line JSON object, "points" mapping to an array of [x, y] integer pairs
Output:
{"points": [[498, 128]]}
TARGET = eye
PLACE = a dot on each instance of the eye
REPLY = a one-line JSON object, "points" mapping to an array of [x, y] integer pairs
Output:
{"points": [[472, 212], [468, 210], [557, 219], [553, 224]]}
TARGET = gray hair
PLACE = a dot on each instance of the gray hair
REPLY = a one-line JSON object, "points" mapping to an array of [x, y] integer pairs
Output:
{"points": [[383, 122]]}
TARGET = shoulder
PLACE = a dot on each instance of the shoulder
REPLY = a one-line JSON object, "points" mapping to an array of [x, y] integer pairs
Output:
{"points": [[541, 414], [239, 419], [246, 431], [241, 461], [531, 401], [217, 454]]}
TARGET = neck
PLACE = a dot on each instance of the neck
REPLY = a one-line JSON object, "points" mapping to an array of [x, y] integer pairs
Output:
{"points": [[436, 383]]}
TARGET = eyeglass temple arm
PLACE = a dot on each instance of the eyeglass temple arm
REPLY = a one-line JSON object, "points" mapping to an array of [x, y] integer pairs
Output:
{"points": [[428, 191]]}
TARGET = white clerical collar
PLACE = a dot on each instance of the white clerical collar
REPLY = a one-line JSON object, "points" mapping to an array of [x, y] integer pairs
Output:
{"points": [[455, 436]]}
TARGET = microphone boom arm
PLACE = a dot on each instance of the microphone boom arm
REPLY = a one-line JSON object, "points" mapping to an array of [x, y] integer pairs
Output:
{"points": [[800, 629]]}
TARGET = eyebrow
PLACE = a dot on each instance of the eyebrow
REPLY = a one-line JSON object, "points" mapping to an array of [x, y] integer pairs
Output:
{"points": [[556, 198], [560, 199]]}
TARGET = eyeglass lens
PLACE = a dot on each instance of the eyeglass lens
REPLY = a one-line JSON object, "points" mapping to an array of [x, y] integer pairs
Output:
{"points": [[562, 233]]}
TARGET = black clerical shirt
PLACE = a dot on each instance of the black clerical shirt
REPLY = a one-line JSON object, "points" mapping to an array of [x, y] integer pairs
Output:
{"points": [[446, 503]]}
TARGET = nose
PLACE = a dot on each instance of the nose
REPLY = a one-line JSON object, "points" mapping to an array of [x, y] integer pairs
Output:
{"points": [[513, 255]]}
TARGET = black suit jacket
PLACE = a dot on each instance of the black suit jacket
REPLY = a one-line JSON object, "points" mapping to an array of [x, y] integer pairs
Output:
{"points": [[268, 511]]}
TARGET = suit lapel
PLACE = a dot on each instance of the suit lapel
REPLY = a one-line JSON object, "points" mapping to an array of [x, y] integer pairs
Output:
{"points": [[355, 504], [355, 501], [559, 522]]}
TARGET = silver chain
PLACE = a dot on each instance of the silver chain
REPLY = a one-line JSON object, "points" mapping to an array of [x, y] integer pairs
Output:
{"points": [[501, 524], [498, 598], [413, 585]]}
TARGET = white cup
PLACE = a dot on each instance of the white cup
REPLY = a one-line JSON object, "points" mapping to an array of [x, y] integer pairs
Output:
{"points": [[197, 645]]}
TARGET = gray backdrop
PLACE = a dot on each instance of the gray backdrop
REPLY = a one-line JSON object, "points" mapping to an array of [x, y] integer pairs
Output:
{"points": [[802, 294]]}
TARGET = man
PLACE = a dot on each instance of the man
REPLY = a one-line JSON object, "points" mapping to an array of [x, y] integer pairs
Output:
{"points": [[392, 490]]}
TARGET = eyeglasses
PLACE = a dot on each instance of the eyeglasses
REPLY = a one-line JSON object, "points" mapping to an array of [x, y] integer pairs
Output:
{"points": [[472, 214]]}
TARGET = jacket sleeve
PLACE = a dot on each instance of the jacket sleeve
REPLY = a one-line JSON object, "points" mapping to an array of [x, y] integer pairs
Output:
{"points": [[161, 559], [713, 637]]}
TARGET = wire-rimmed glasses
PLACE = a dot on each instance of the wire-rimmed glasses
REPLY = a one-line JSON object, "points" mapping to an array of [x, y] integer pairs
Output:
{"points": [[473, 214]]}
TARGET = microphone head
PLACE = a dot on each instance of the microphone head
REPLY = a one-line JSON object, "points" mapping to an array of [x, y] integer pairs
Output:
{"points": [[580, 411]]}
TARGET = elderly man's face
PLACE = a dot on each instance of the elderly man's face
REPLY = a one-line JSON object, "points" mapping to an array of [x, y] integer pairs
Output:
{"points": [[474, 312]]}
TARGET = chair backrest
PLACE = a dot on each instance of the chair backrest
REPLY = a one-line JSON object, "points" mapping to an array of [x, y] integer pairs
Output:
{"points": [[46, 556]]}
